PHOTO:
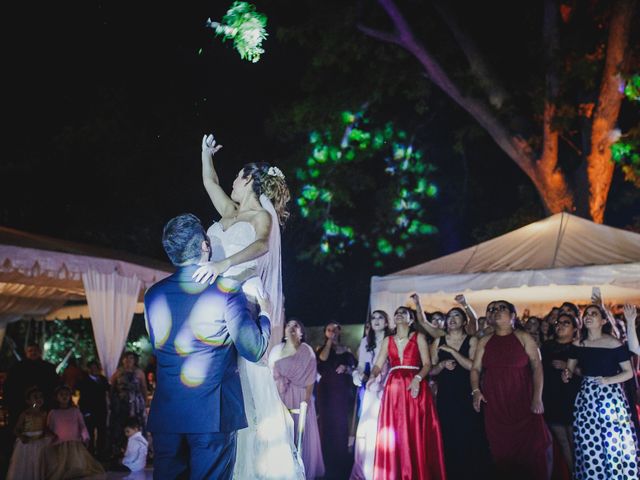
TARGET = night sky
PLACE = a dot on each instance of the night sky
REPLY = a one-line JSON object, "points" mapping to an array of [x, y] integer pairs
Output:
{"points": [[107, 105]]}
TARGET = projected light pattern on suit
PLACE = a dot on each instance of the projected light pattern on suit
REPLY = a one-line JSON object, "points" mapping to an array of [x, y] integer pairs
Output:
{"points": [[204, 327]]}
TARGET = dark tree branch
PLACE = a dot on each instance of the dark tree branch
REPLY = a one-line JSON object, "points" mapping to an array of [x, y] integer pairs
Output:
{"points": [[387, 37], [513, 145], [479, 67], [550, 181], [571, 144], [401, 25]]}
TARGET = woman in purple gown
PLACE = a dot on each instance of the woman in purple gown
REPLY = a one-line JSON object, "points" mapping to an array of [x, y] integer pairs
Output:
{"points": [[294, 369]]}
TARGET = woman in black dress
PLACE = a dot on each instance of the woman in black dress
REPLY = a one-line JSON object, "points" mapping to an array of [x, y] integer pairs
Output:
{"points": [[558, 397], [335, 395], [465, 445]]}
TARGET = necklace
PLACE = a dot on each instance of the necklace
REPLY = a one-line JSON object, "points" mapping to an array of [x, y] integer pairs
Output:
{"points": [[402, 339]]}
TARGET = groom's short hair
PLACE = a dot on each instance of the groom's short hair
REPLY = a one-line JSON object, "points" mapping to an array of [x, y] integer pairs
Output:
{"points": [[182, 238]]}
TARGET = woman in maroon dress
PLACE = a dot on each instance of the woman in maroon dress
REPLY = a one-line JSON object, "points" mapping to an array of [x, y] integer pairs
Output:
{"points": [[511, 391], [409, 443]]}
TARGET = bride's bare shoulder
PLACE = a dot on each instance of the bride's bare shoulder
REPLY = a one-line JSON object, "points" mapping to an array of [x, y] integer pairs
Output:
{"points": [[260, 215], [261, 221]]}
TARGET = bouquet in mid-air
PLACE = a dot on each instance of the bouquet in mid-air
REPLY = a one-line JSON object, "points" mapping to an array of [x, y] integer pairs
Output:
{"points": [[246, 27]]}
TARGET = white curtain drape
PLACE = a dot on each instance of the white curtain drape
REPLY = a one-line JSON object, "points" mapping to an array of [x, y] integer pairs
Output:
{"points": [[112, 300]]}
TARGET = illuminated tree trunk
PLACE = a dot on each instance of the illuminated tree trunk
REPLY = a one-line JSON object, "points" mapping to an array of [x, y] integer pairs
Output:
{"points": [[599, 163], [557, 191]]}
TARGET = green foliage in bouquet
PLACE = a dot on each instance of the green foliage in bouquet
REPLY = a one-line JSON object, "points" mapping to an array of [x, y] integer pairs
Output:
{"points": [[245, 27]]}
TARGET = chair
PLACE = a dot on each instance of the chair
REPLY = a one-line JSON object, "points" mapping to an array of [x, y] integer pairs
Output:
{"points": [[302, 419]]}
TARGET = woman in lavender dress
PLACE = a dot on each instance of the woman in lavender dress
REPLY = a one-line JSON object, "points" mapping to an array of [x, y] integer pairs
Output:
{"points": [[294, 369]]}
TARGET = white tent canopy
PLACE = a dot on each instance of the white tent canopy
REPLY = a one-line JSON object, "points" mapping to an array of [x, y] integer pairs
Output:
{"points": [[39, 275], [537, 266]]}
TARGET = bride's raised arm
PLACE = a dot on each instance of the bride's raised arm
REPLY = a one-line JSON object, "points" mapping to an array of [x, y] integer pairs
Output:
{"points": [[221, 201]]}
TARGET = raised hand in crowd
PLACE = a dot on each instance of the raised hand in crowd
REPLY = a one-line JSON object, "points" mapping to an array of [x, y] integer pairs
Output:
{"points": [[431, 329], [630, 315]]}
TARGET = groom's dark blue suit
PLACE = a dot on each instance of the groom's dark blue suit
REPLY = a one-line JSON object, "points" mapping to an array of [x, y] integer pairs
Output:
{"points": [[196, 332]]}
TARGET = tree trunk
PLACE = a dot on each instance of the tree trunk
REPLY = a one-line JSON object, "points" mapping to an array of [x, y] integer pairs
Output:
{"points": [[599, 164], [556, 192]]}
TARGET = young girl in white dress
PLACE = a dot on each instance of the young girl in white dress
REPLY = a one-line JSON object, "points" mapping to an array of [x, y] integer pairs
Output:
{"points": [[245, 246], [28, 461]]}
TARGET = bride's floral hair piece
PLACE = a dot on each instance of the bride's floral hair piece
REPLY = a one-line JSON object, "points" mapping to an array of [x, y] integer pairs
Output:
{"points": [[270, 181], [275, 172]]}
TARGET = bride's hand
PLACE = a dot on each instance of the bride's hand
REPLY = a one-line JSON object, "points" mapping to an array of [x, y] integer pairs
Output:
{"points": [[210, 271], [209, 146], [264, 302]]}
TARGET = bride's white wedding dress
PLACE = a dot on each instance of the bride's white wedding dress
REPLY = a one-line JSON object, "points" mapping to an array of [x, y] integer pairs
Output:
{"points": [[265, 449]]}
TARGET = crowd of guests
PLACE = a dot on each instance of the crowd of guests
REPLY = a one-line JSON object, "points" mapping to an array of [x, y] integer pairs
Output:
{"points": [[57, 439], [454, 395], [440, 395]]}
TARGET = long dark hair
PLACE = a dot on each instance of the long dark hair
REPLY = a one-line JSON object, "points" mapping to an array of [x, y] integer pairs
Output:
{"points": [[371, 335], [606, 328]]}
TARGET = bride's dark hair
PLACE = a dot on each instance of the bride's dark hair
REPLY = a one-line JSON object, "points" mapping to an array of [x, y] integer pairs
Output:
{"points": [[270, 181]]}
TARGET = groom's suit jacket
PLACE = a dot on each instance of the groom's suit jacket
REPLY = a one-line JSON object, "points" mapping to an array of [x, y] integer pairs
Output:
{"points": [[196, 332]]}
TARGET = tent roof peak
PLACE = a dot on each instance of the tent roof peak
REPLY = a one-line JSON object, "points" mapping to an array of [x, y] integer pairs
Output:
{"points": [[560, 240]]}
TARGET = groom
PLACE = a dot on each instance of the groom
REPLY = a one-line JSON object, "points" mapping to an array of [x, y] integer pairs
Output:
{"points": [[197, 331]]}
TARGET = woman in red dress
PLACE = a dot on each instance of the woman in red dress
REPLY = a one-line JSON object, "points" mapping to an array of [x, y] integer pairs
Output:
{"points": [[511, 395], [409, 444]]}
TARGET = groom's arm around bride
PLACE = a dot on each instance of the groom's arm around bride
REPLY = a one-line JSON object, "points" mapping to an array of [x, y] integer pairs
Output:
{"points": [[251, 342]]}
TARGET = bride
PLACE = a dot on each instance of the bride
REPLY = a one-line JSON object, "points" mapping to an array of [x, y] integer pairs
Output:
{"points": [[245, 246]]}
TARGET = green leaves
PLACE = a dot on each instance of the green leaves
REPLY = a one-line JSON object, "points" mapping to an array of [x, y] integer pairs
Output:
{"points": [[626, 153], [632, 88], [66, 335], [626, 150], [370, 191], [245, 27]]}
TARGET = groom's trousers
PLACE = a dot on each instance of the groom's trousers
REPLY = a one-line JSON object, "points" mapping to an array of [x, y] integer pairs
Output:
{"points": [[194, 456]]}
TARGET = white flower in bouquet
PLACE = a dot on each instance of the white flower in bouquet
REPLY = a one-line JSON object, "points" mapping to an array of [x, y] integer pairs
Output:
{"points": [[245, 27]]}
